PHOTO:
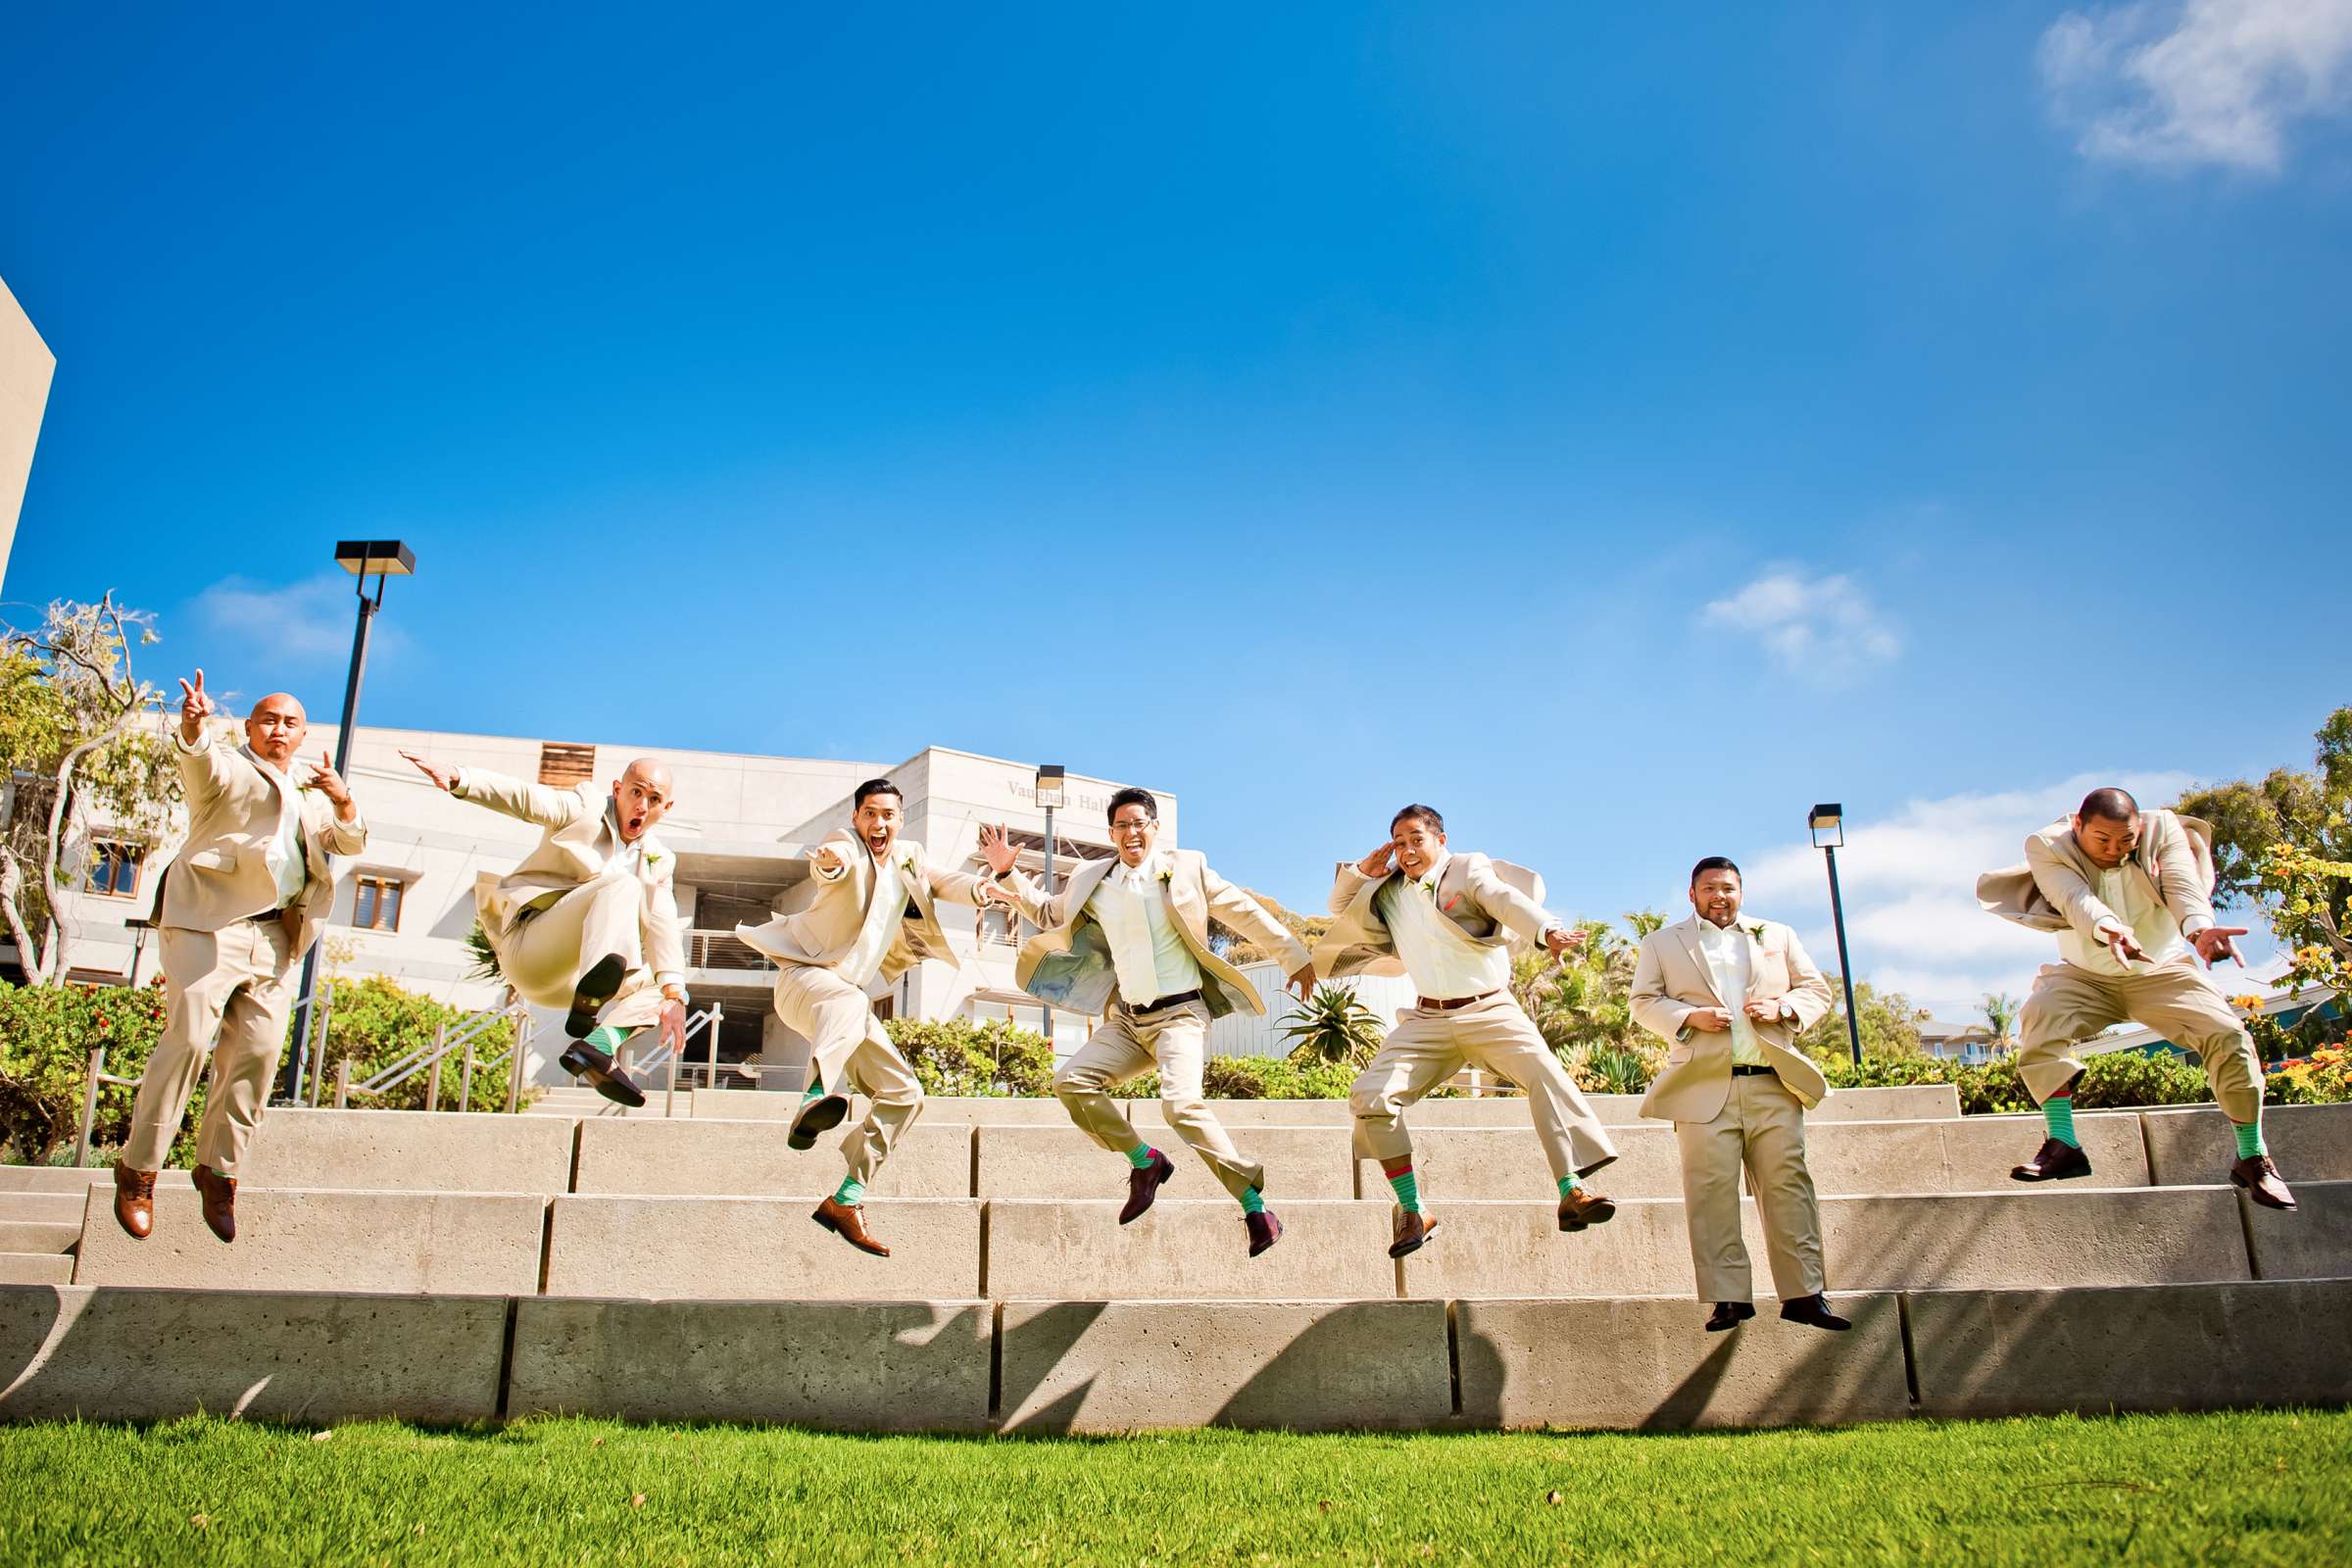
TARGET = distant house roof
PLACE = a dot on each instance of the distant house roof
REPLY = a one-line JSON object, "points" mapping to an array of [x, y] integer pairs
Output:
{"points": [[1939, 1029]]}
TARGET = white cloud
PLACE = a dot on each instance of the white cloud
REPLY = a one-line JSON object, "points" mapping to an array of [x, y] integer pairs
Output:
{"points": [[307, 622], [2205, 81], [1910, 888], [1823, 627]]}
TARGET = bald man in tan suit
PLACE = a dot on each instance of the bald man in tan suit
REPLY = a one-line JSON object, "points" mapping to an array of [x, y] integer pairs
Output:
{"points": [[869, 910], [1730, 996], [589, 922], [1447, 920], [241, 904]]}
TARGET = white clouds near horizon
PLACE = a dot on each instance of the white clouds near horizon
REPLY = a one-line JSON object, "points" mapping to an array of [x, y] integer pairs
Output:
{"points": [[1825, 628], [304, 623], [2201, 82]]}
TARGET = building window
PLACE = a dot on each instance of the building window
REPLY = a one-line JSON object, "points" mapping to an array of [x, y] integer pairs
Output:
{"points": [[563, 765], [115, 868], [376, 907]]}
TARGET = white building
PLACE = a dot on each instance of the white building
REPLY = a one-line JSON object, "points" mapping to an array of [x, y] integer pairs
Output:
{"points": [[740, 829], [26, 368]]}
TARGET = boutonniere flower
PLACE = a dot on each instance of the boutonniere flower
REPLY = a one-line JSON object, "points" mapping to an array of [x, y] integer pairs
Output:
{"points": [[1756, 930], [1167, 875], [906, 864]]}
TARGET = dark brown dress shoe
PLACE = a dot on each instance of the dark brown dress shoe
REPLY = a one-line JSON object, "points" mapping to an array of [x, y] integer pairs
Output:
{"points": [[820, 1115], [583, 1060], [1413, 1229], [1264, 1230], [1728, 1316], [1813, 1312], [219, 1194], [1143, 1186], [2260, 1178], [135, 1200], [1580, 1208], [2057, 1161], [847, 1222], [599, 985]]}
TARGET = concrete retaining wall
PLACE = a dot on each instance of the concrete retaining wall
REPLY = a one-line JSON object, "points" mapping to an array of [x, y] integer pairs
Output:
{"points": [[750, 1159], [1114, 1366], [1186, 1249], [2194, 1146], [441, 1243], [2313, 1241], [858, 1366], [1646, 1365], [761, 1249], [410, 1150], [103, 1355], [1063, 1162]]}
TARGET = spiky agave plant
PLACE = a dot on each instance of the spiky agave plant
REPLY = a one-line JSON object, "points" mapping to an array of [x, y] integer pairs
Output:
{"points": [[486, 957], [1332, 1025]]}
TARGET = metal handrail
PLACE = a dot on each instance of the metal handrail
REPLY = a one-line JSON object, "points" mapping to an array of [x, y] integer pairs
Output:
{"points": [[89, 1101], [424, 1057], [709, 1018]]}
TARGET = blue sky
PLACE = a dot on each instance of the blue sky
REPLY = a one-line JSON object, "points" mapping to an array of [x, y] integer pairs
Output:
{"points": [[1619, 430]]}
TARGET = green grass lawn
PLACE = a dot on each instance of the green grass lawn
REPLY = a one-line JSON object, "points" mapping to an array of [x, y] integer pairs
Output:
{"points": [[2270, 1488]]}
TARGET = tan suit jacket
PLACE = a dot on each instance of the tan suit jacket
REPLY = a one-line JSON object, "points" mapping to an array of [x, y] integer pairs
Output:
{"points": [[1068, 962], [578, 841], [2054, 888], [820, 919], [1671, 980], [221, 873], [1492, 901]]}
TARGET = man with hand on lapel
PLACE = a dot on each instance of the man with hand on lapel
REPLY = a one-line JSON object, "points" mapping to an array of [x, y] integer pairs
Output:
{"points": [[1447, 920], [2129, 897], [589, 922], [241, 904], [1128, 939], [868, 911], [1729, 997]]}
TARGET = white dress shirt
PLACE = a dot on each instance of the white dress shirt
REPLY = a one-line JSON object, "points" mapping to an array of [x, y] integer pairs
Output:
{"points": [[2127, 891], [283, 855], [1146, 952], [863, 961], [1445, 964], [1731, 962]]}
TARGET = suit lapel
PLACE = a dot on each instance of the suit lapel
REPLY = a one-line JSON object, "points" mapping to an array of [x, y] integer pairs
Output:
{"points": [[1687, 930]]}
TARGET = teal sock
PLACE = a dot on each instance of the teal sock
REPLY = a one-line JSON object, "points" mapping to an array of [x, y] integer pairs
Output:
{"points": [[1569, 1183], [1407, 1187], [1253, 1202], [606, 1037], [1142, 1155], [2250, 1139], [852, 1191], [815, 1088], [2058, 1111]]}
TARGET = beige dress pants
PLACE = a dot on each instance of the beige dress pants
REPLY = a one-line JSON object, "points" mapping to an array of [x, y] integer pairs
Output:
{"points": [[2178, 1000], [226, 994], [1128, 1045], [1762, 1127], [849, 1049], [1428, 1047], [545, 953]]}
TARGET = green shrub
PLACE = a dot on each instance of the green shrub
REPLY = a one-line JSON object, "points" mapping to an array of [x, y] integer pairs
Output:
{"points": [[375, 1023], [1275, 1078], [46, 1036], [2324, 1079], [960, 1056]]}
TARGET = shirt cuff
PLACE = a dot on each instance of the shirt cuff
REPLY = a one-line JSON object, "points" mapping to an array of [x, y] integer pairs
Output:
{"points": [[816, 869], [457, 783], [669, 978], [204, 742], [2195, 923]]}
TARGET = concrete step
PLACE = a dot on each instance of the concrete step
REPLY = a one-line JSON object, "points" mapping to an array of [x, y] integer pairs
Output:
{"points": [[1065, 1364], [1186, 1249], [410, 1150], [56, 1209], [1016, 1162], [762, 1248], [2192, 1146], [72, 1179], [38, 1236], [36, 1268], [751, 1158]]}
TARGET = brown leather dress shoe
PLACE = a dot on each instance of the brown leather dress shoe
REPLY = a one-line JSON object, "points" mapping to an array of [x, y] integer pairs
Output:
{"points": [[1143, 1186], [1264, 1230], [847, 1222], [219, 1194], [1728, 1316], [2260, 1178], [1580, 1208], [135, 1200], [2055, 1161], [1413, 1229]]}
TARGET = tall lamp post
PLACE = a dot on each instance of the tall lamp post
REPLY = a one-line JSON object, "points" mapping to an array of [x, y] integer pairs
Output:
{"points": [[1828, 823], [1051, 784], [363, 559]]}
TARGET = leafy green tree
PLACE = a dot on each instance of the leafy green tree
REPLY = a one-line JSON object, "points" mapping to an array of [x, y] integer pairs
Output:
{"points": [[1889, 1026], [2000, 1011], [76, 744]]}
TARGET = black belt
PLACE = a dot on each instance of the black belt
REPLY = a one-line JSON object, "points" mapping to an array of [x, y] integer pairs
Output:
{"points": [[264, 917], [1741, 1070], [1178, 999], [1433, 1005]]}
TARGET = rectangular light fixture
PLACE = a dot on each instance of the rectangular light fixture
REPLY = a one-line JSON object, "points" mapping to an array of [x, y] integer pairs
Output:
{"points": [[1828, 823], [1050, 786], [375, 557]]}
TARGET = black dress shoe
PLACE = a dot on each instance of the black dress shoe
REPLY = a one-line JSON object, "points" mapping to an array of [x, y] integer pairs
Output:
{"points": [[2055, 1161], [1728, 1316], [820, 1115], [1813, 1312], [1143, 1186], [596, 988], [583, 1060], [1264, 1230]]}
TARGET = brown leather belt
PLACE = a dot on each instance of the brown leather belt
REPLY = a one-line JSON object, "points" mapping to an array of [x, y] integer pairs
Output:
{"points": [[1433, 1005], [1161, 1002]]}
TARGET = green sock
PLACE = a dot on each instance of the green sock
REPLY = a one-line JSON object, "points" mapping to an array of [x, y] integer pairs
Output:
{"points": [[2059, 1113], [1253, 1202], [2250, 1139], [1142, 1155], [1569, 1183], [815, 1088], [852, 1191], [1408, 1186], [606, 1037]]}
